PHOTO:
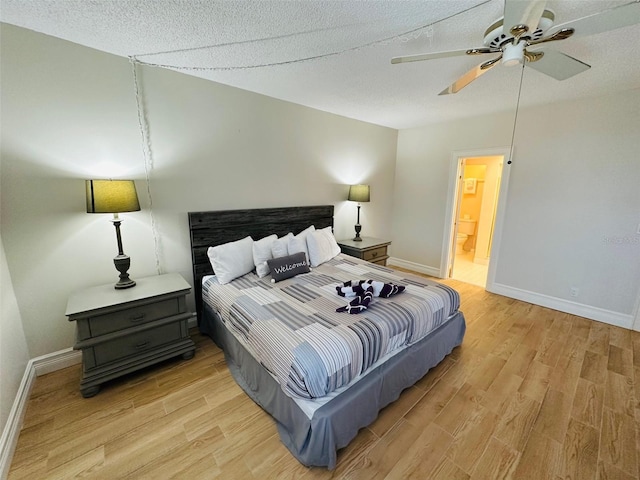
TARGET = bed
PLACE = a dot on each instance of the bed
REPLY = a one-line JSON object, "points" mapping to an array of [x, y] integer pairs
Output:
{"points": [[314, 422]]}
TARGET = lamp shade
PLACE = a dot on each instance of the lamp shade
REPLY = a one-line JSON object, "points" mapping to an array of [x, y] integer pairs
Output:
{"points": [[359, 193], [111, 196]]}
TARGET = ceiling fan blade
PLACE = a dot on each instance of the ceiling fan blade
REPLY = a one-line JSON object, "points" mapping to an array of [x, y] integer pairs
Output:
{"points": [[558, 65], [523, 12], [469, 77], [453, 53], [611, 19]]}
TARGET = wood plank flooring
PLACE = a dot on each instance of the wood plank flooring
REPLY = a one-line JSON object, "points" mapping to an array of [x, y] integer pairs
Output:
{"points": [[532, 393]]}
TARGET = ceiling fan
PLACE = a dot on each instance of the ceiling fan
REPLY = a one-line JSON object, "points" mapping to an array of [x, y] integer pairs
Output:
{"points": [[518, 36]]}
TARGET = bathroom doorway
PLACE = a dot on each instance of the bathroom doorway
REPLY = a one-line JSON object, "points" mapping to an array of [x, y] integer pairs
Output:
{"points": [[473, 216]]}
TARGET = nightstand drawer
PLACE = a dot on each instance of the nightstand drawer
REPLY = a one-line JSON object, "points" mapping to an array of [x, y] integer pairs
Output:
{"points": [[374, 254], [370, 249], [112, 322], [136, 343]]}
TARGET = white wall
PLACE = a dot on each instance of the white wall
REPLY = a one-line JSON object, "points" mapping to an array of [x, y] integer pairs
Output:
{"points": [[422, 175], [13, 346], [572, 211], [574, 201], [69, 113]]}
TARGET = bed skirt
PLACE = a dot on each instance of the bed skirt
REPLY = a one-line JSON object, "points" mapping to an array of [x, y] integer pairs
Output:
{"points": [[315, 441]]}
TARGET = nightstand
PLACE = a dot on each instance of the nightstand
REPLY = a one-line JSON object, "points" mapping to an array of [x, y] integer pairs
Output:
{"points": [[120, 331], [370, 249]]}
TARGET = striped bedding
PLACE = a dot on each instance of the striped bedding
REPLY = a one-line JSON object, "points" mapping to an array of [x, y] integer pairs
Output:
{"points": [[292, 329]]}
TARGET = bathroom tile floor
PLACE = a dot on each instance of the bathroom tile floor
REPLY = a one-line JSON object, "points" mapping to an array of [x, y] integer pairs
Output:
{"points": [[466, 271]]}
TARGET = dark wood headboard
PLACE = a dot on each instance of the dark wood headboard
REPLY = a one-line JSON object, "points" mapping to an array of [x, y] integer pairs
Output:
{"points": [[208, 229]]}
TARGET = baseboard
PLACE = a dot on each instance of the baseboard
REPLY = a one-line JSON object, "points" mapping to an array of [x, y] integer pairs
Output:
{"points": [[12, 428], [416, 267], [35, 367], [594, 313], [56, 361]]}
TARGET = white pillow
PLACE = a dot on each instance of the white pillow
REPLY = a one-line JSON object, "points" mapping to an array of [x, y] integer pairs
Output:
{"points": [[322, 246], [262, 253], [231, 260], [279, 247], [298, 244]]}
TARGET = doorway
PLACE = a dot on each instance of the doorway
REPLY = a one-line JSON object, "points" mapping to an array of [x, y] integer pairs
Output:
{"points": [[477, 190]]}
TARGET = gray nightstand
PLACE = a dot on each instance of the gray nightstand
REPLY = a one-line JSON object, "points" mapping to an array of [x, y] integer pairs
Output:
{"points": [[120, 331], [370, 249]]}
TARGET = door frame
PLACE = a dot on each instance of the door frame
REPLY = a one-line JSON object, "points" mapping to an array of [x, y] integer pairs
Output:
{"points": [[635, 321], [455, 214], [448, 248]]}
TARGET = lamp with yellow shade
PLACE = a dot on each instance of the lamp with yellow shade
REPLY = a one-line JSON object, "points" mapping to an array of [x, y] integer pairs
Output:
{"points": [[114, 196], [360, 194]]}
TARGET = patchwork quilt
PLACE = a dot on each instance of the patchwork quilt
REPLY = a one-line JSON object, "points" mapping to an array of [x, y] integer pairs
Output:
{"points": [[292, 327]]}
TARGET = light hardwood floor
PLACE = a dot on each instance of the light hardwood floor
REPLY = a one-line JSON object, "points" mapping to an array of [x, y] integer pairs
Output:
{"points": [[531, 394]]}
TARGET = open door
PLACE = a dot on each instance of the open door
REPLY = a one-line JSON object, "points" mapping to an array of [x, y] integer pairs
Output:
{"points": [[489, 204], [454, 224]]}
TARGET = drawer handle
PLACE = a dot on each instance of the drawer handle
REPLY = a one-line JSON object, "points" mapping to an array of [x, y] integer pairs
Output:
{"points": [[374, 254], [137, 318], [142, 344]]}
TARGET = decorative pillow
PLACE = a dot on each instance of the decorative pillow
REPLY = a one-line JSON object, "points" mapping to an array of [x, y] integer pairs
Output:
{"points": [[299, 242], [262, 253], [322, 246], [231, 260], [289, 266], [279, 247]]}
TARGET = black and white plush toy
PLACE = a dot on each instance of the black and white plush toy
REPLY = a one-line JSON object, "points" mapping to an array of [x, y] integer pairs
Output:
{"points": [[363, 291], [359, 303], [380, 289]]}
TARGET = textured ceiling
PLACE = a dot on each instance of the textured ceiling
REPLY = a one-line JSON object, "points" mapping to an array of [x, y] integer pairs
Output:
{"points": [[335, 55]]}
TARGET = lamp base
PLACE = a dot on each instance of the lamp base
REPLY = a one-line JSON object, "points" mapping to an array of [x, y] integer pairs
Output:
{"points": [[122, 263], [357, 238]]}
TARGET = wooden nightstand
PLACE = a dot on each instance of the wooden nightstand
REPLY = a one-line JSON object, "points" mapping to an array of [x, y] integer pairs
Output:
{"points": [[371, 249], [120, 331]]}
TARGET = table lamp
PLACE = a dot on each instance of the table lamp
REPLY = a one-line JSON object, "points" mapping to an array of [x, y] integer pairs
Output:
{"points": [[360, 194], [114, 196]]}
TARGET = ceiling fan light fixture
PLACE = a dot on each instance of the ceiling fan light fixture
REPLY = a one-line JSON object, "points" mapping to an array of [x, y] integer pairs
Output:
{"points": [[513, 54]]}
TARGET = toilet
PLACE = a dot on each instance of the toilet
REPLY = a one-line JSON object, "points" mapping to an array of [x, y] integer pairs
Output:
{"points": [[466, 227]]}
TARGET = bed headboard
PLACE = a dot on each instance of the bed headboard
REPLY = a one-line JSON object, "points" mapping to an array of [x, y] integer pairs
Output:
{"points": [[208, 229]]}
